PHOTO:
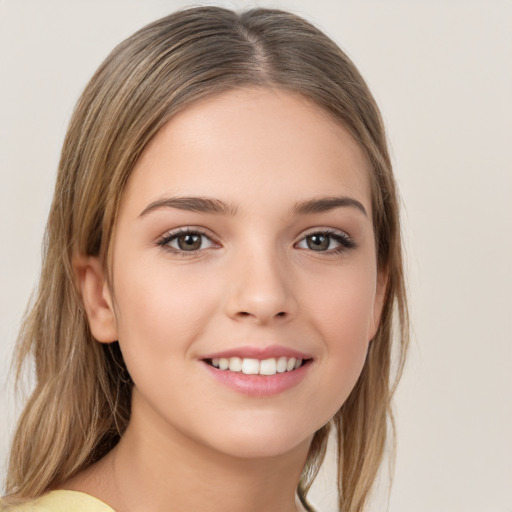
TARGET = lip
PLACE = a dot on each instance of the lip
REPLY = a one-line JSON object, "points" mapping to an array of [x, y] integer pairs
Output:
{"points": [[259, 353], [258, 385]]}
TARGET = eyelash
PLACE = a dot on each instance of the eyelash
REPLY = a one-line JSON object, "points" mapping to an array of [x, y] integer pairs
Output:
{"points": [[343, 239], [169, 237]]}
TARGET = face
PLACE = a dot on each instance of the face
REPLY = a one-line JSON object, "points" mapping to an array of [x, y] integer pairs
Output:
{"points": [[245, 288]]}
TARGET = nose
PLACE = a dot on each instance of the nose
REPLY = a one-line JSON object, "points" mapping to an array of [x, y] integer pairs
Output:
{"points": [[261, 290]]}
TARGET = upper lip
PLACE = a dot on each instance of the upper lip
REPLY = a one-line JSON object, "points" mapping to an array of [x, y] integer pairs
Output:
{"points": [[272, 351]]}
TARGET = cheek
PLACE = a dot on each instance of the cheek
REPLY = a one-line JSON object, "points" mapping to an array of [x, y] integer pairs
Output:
{"points": [[342, 312], [343, 302], [160, 309]]}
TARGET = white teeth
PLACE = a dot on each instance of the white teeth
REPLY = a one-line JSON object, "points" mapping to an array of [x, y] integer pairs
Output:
{"points": [[250, 366], [281, 364], [235, 364], [268, 367]]}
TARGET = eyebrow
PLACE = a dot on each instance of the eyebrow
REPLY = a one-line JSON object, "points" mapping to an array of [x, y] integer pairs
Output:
{"points": [[192, 204], [218, 207], [325, 204]]}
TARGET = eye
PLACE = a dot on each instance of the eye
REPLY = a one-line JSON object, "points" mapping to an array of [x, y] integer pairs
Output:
{"points": [[186, 240], [327, 241]]}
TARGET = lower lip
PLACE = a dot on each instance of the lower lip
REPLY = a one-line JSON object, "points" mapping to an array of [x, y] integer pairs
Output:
{"points": [[259, 385]]}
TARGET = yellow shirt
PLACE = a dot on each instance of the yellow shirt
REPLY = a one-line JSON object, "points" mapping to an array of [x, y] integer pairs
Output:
{"points": [[71, 501], [61, 501]]}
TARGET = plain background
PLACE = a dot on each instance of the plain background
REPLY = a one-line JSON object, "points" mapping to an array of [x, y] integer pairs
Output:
{"points": [[441, 72]]}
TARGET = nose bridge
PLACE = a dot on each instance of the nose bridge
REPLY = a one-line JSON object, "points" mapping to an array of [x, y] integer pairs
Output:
{"points": [[261, 288]]}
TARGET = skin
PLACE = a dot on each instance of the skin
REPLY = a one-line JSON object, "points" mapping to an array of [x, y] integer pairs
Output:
{"points": [[193, 442]]}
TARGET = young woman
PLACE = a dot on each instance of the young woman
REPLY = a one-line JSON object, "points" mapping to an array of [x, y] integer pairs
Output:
{"points": [[221, 277]]}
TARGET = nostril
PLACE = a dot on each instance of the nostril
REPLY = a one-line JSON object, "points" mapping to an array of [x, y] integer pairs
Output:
{"points": [[261, 316]]}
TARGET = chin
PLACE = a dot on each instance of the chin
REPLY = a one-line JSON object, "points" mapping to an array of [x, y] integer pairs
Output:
{"points": [[258, 441], [256, 450]]}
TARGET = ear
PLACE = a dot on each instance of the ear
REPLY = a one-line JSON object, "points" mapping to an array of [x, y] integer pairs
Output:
{"points": [[380, 296], [96, 297]]}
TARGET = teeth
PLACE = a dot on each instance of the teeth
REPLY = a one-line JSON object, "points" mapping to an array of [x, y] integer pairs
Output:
{"points": [[235, 364], [268, 367], [282, 363], [250, 366]]}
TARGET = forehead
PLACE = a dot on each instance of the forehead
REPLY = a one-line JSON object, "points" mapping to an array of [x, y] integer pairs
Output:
{"points": [[251, 144]]}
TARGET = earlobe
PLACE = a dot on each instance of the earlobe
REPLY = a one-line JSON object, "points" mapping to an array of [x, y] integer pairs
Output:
{"points": [[96, 297]]}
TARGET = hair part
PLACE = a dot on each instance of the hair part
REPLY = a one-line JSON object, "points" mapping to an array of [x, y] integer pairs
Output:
{"points": [[147, 79]]}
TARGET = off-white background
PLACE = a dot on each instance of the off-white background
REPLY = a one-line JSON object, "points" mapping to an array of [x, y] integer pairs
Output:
{"points": [[442, 74]]}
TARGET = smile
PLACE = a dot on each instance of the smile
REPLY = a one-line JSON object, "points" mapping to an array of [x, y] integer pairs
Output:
{"points": [[251, 366], [259, 371]]}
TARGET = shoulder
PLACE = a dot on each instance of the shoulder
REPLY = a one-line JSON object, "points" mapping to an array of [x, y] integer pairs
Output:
{"points": [[60, 501]]}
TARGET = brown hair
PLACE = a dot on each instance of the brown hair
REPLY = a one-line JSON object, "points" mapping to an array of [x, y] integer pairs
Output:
{"points": [[146, 80]]}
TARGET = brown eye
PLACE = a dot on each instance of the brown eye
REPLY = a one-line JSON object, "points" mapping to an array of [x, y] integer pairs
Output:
{"points": [[189, 242], [330, 242], [318, 242], [186, 241]]}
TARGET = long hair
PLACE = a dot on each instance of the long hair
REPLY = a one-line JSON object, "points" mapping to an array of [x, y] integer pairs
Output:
{"points": [[81, 402]]}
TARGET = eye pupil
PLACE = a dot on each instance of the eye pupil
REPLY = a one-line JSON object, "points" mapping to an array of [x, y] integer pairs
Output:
{"points": [[318, 242], [189, 242]]}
